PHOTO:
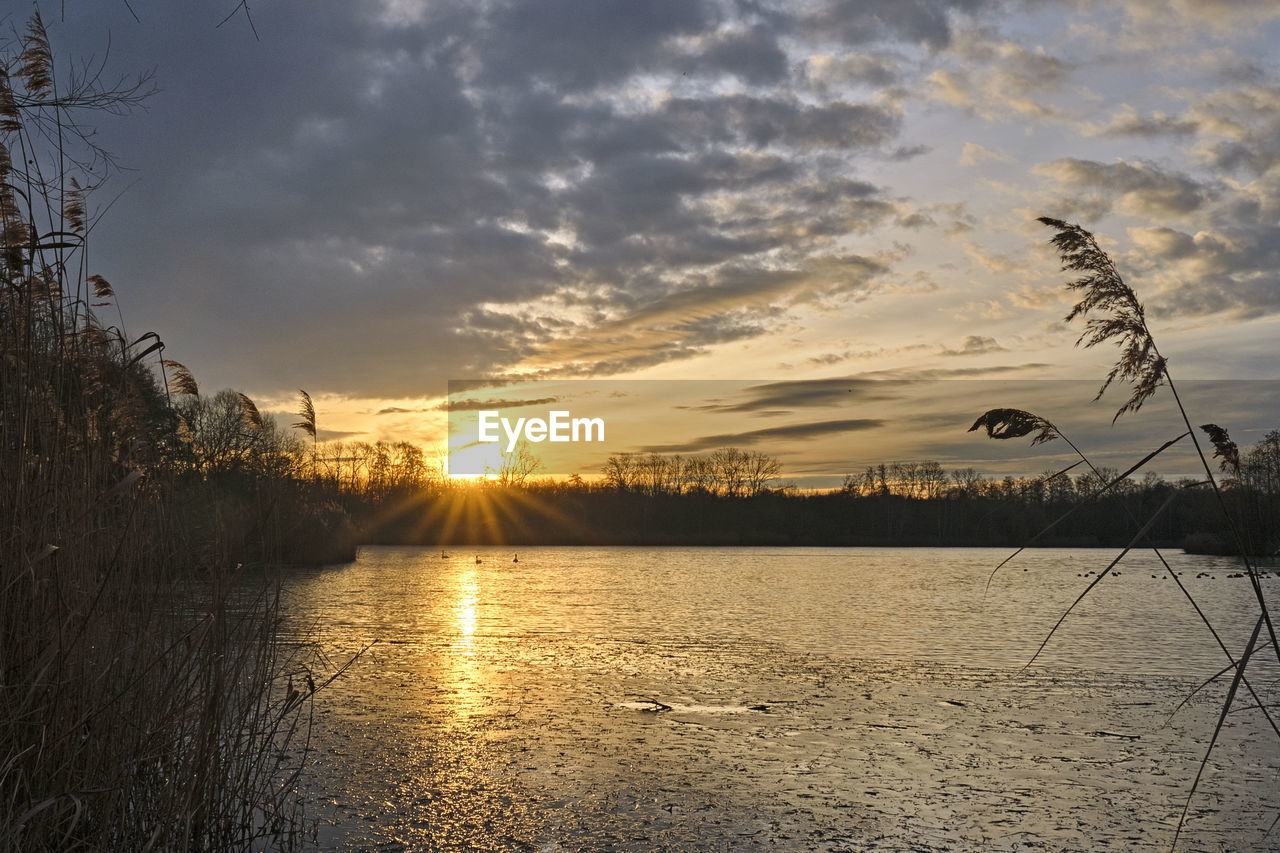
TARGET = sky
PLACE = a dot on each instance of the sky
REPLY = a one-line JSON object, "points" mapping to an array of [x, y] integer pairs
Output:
{"points": [[370, 198], [819, 430]]}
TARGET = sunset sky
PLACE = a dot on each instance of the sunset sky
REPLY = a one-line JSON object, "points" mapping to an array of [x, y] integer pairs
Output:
{"points": [[374, 198]]}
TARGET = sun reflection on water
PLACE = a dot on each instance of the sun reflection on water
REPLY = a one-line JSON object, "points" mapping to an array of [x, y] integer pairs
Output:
{"points": [[464, 670], [464, 609]]}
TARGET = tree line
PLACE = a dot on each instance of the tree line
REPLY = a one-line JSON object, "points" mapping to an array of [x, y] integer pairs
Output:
{"points": [[222, 439], [223, 436], [730, 496], [390, 491], [728, 472]]}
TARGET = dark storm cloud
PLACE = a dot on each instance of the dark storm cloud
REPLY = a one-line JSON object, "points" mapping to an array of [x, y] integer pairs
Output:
{"points": [[359, 199], [752, 55], [761, 122], [782, 433], [578, 45], [927, 22]]}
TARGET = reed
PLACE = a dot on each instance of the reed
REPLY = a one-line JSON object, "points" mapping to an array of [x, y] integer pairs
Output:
{"points": [[145, 703], [1113, 314]]}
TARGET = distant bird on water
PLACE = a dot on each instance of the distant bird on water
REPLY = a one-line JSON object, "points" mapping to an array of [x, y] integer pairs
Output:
{"points": [[478, 560], [517, 559], [443, 555]]}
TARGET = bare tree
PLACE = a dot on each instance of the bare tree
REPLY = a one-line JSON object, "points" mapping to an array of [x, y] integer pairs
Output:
{"points": [[728, 465], [933, 480], [759, 470], [517, 466], [699, 474], [620, 471], [652, 474]]}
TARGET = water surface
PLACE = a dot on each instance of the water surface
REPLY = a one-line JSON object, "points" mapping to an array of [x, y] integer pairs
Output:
{"points": [[753, 698]]}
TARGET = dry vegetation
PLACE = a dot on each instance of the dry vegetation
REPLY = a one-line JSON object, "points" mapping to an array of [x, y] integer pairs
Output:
{"points": [[144, 703]]}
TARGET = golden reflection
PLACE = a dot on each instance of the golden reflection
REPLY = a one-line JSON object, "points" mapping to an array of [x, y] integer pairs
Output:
{"points": [[464, 609], [464, 674]]}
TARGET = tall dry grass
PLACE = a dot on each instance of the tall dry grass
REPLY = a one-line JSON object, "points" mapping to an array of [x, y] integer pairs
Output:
{"points": [[144, 702]]}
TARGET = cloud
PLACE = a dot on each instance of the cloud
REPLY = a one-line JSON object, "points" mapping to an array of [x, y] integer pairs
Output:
{"points": [[973, 154], [807, 393], [914, 219], [1220, 16], [1210, 271], [934, 373], [1030, 296], [952, 217], [1163, 242], [857, 22], [337, 434], [1000, 79], [1246, 123], [578, 46], [750, 53], [735, 302], [1127, 121], [830, 358], [794, 432], [974, 345], [827, 73], [472, 405], [1143, 189], [763, 122], [992, 261], [450, 189], [387, 193]]}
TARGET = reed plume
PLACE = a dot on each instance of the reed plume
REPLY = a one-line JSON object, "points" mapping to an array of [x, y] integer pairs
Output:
{"points": [[1015, 423], [1105, 291], [180, 380], [308, 414], [9, 121], [1223, 447], [35, 63], [73, 208], [101, 287], [250, 410]]}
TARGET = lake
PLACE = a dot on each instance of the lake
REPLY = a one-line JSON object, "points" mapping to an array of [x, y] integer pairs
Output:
{"points": [[785, 699]]}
